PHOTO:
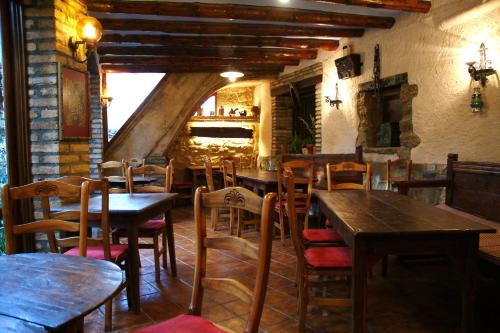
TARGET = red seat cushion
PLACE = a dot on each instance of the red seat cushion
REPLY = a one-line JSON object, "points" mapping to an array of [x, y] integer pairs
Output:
{"points": [[182, 324], [326, 257], [183, 184], [97, 252], [152, 225], [321, 235]]}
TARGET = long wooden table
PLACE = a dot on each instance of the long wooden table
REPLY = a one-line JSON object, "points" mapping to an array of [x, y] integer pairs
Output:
{"points": [[46, 291], [128, 211], [378, 223]]}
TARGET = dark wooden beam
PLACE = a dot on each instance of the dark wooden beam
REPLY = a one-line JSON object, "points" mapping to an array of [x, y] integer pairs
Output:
{"points": [[250, 71], [180, 61], [210, 52], [240, 12], [226, 28], [418, 6], [168, 40]]}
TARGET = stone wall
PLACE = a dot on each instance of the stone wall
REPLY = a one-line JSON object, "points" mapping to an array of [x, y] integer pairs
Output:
{"points": [[235, 98]]}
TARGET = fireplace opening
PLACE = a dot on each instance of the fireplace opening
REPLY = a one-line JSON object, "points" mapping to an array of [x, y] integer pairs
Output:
{"points": [[391, 114]]}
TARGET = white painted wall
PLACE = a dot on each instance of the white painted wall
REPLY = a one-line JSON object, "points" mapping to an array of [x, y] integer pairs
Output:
{"points": [[435, 61], [263, 100]]}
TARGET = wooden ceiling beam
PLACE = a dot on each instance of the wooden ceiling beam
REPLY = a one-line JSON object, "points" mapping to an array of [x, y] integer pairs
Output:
{"points": [[240, 12], [248, 70], [168, 40], [418, 6], [179, 61], [210, 52], [226, 28]]}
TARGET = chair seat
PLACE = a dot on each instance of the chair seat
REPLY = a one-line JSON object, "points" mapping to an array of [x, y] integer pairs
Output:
{"points": [[283, 203], [97, 252], [152, 225], [321, 236], [182, 324], [328, 257], [183, 184]]}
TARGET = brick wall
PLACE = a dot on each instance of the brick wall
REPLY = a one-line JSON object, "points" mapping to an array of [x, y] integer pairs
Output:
{"points": [[282, 111]]}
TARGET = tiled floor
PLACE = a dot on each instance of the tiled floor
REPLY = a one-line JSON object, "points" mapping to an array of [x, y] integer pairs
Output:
{"points": [[416, 297]]}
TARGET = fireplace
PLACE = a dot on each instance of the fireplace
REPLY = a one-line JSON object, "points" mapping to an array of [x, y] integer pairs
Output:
{"points": [[386, 127]]}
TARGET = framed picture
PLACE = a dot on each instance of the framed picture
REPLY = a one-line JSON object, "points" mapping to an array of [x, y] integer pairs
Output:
{"points": [[74, 115]]}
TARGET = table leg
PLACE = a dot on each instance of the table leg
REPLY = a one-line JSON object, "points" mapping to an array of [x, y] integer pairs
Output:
{"points": [[134, 276], [171, 242], [469, 280], [359, 268]]}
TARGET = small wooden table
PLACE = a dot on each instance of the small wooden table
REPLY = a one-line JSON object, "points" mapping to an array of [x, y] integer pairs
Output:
{"points": [[138, 180], [128, 211], [378, 223], [265, 181], [41, 291]]}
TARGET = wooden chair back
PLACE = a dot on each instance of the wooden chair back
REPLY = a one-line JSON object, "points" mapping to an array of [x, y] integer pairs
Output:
{"points": [[241, 198], [209, 175], [62, 221], [150, 170], [295, 229], [348, 167], [398, 164], [101, 187], [111, 168], [229, 171]]}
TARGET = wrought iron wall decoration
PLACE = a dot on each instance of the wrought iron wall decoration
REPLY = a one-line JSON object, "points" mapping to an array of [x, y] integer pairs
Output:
{"points": [[484, 70]]}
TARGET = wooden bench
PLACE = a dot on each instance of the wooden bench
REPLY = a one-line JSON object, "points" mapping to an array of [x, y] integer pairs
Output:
{"points": [[320, 160], [472, 191]]}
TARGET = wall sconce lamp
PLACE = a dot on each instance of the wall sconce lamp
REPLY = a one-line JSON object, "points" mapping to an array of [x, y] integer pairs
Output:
{"points": [[334, 102], [481, 74], [106, 101], [89, 30]]}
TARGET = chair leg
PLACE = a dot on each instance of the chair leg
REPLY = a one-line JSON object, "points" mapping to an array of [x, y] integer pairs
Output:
{"points": [[240, 223], [128, 269], [231, 221], [115, 237], [156, 255], [303, 300], [108, 315], [282, 227], [171, 246], [164, 249]]}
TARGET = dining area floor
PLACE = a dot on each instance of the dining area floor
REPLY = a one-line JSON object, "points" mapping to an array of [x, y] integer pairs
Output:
{"points": [[416, 296]]}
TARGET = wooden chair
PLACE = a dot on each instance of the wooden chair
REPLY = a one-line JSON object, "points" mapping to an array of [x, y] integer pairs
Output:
{"points": [[349, 168], [183, 188], [77, 188], [304, 174], [154, 228], [398, 164], [114, 170], [231, 197], [214, 212], [314, 262]]}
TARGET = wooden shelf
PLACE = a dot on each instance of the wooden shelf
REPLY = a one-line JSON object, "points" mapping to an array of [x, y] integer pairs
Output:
{"points": [[247, 119]]}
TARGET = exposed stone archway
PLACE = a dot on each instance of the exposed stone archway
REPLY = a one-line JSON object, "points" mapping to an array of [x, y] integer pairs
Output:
{"points": [[155, 124]]}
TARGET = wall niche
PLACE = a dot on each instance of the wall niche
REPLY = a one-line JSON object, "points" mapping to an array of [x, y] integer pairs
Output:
{"points": [[387, 129]]}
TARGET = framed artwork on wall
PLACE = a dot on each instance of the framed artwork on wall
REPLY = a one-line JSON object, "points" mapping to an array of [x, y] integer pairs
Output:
{"points": [[74, 115]]}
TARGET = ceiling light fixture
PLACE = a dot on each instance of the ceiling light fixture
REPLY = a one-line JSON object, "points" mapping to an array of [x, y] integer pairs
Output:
{"points": [[232, 75], [89, 30], [284, 1]]}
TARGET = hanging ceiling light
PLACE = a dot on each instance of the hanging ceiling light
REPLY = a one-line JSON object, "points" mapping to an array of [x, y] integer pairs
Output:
{"points": [[232, 75]]}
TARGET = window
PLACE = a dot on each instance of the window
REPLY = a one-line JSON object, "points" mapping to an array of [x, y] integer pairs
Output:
{"points": [[209, 107], [128, 91]]}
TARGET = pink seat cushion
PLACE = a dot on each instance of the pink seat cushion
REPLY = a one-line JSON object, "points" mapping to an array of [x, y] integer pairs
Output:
{"points": [[152, 225], [182, 324], [97, 252], [321, 235], [326, 257]]}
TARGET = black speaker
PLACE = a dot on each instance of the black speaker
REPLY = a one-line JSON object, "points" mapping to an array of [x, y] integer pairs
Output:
{"points": [[348, 66]]}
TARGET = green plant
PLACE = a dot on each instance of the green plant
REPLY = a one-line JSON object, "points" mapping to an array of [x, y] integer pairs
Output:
{"points": [[296, 143], [2, 241]]}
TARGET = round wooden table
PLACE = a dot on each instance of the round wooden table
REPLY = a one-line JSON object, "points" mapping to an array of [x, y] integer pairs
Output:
{"points": [[54, 290]]}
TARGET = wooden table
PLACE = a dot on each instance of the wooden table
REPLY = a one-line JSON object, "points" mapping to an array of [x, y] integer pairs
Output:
{"points": [[41, 291], [138, 180], [128, 211], [378, 223], [265, 181]]}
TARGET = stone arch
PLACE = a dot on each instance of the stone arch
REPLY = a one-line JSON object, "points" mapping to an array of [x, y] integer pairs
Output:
{"points": [[156, 123]]}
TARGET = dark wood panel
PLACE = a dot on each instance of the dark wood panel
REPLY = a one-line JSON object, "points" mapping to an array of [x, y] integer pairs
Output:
{"points": [[222, 132], [408, 5]]}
